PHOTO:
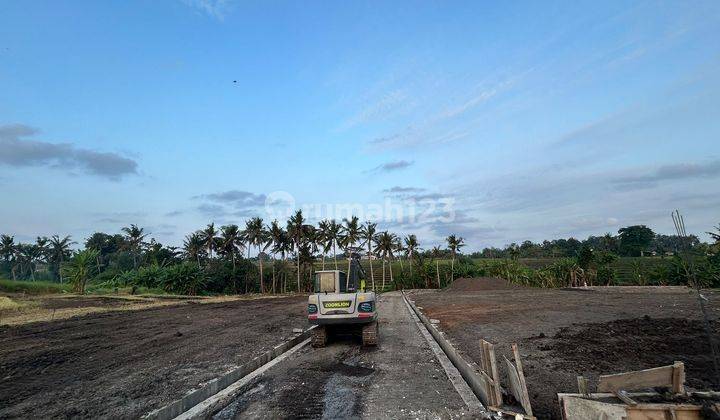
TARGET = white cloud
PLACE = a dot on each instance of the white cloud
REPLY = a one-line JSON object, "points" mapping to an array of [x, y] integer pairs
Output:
{"points": [[217, 9]]}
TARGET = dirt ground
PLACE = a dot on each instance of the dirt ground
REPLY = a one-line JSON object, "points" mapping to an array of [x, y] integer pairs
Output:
{"points": [[401, 378], [566, 332], [38, 308], [123, 364]]}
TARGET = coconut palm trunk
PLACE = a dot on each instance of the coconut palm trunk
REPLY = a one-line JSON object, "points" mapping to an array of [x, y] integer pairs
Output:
{"points": [[383, 271], [335, 255], [437, 272], [262, 279], [274, 263], [273, 277], [298, 267], [452, 268], [372, 275], [247, 273], [392, 280]]}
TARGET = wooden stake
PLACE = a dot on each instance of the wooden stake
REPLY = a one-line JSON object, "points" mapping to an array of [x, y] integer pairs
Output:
{"points": [[495, 374], [582, 385], [678, 378], [521, 376]]}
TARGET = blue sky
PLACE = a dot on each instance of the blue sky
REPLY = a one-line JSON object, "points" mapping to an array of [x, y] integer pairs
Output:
{"points": [[498, 121]]}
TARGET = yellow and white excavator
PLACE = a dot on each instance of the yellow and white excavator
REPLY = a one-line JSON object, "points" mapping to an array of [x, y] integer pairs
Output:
{"points": [[340, 303]]}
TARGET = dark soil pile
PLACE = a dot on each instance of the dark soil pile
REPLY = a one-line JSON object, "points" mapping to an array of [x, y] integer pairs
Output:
{"points": [[641, 343], [477, 284]]}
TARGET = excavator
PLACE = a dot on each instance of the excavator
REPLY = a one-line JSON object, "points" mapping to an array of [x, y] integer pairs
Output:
{"points": [[340, 303]]}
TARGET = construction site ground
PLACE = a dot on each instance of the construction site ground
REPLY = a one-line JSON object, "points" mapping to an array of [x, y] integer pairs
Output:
{"points": [[563, 333], [122, 361], [401, 378]]}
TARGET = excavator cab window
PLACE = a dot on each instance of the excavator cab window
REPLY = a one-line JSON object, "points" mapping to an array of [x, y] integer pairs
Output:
{"points": [[325, 283], [347, 286]]}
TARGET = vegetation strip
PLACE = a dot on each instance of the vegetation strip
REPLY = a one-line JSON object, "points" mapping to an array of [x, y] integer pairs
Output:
{"points": [[468, 373], [197, 396]]}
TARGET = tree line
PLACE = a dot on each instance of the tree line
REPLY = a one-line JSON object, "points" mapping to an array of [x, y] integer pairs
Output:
{"points": [[630, 241], [218, 259]]}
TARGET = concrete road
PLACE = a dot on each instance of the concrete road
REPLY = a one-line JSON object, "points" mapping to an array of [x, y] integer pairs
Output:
{"points": [[401, 378]]}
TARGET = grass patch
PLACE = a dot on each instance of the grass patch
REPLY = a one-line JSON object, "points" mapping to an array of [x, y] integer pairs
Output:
{"points": [[33, 287], [105, 290], [8, 304]]}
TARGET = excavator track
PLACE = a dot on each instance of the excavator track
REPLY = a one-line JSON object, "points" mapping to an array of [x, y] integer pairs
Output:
{"points": [[319, 336], [370, 335]]}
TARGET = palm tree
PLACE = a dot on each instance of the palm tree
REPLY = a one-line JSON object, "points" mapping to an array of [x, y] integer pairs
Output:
{"points": [[296, 233], [283, 245], [454, 243], [41, 251], [275, 236], [715, 236], [8, 252], [367, 234], [399, 249], [436, 253], [411, 245], [134, 238], [194, 246], [334, 229], [80, 268], [255, 234], [231, 244], [28, 255], [59, 251], [210, 239], [324, 239], [384, 245], [350, 235], [263, 241]]}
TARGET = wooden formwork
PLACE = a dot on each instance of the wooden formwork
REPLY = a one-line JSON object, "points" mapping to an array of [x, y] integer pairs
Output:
{"points": [[613, 401], [516, 378]]}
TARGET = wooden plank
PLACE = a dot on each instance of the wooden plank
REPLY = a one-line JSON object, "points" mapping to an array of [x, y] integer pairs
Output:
{"points": [[521, 376], [582, 385], [489, 387], [484, 356], [663, 412], [678, 378], [495, 375], [640, 379], [624, 397], [575, 406], [515, 385], [514, 414]]}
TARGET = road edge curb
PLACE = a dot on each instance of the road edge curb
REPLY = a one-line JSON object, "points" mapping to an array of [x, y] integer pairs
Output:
{"points": [[214, 386], [468, 373]]}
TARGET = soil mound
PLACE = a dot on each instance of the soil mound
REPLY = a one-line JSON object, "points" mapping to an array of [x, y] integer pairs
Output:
{"points": [[632, 344], [480, 284]]}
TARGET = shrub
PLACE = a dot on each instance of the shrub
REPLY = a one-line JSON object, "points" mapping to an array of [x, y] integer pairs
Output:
{"points": [[185, 279], [149, 276], [606, 275], [80, 269]]}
